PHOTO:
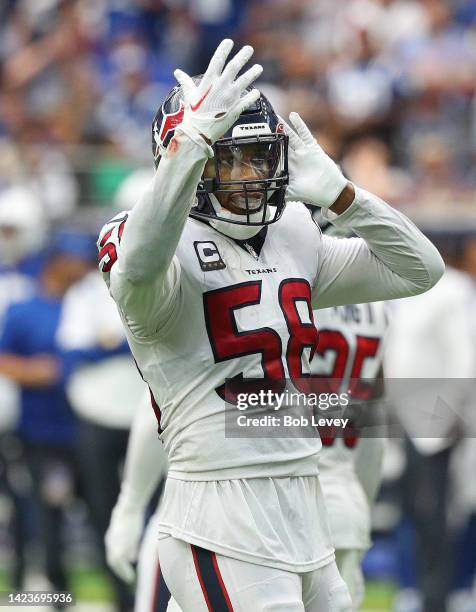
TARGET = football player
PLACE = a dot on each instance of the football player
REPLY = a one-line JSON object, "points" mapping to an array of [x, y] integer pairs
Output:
{"points": [[145, 466], [430, 339], [23, 231], [350, 349], [349, 354], [23, 228], [215, 278]]}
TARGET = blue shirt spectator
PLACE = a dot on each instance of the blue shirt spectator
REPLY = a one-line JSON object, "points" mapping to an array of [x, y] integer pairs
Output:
{"points": [[29, 331], [28, 351]]}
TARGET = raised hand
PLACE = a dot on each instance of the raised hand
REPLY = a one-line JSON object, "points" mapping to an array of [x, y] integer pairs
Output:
{"points": [[216, 102], [314, 177]]}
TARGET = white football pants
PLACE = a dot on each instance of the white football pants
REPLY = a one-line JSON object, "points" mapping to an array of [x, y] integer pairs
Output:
{"points": [[202, 580], [349, 563], [152, 594]]}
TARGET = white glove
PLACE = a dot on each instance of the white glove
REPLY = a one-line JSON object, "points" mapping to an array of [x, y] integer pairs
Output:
{"points": [[314, 177], [123, 537], [213, 106]]}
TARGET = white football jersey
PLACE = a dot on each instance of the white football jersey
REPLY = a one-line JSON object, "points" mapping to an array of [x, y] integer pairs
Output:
{"points": [[431, 337], [198, 308], [350, 347], [230, 318]]}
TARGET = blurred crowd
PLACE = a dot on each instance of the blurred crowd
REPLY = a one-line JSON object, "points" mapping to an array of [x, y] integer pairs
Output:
{"points": [[388, 87], [81, 81]]}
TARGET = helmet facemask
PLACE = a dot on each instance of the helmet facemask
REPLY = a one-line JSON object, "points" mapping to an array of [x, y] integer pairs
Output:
{"points": [[248, 176]]}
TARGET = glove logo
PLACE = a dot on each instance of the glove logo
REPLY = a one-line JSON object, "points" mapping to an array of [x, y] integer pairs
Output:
{"points": [[196, 106], [208, 255]]}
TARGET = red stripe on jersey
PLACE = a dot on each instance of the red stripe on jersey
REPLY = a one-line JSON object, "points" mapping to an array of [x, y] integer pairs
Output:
{"points": [[222, 583], [200, 578], [156, 588], [121, 229], [155, 406]]}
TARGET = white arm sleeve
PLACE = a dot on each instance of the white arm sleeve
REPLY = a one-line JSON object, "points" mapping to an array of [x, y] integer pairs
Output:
{"points": [[146, 460], [390, 259], [368, 456], [145, 279], [368, 464]]}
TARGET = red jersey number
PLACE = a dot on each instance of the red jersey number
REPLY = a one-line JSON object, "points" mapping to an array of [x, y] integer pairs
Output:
{"points": [[366, 348], [227, 342]]}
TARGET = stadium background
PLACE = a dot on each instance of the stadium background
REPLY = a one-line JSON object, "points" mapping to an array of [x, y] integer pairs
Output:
{"points": [[388, 86]]}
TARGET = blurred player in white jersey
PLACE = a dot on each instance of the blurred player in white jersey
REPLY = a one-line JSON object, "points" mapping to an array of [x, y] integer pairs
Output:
{"points": [[215, 278], [104, 388], [350, 347], [430, 338], [145, 467], [23, 229], [22, 234]]}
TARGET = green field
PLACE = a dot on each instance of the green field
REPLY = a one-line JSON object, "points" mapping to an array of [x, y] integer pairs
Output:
{"points": [[91, 585]]}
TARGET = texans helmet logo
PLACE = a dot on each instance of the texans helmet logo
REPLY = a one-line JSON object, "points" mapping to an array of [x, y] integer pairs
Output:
{"points": [[170, 122]]}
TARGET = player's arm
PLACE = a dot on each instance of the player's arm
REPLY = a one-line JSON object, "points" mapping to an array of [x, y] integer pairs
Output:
{"points": [[390, 258], [368, 464], [146, 277], [145, 465], [368, 457], [36, 372]]}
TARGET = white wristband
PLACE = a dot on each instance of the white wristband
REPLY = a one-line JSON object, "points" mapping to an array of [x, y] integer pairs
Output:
{"points": [[197, 138]]}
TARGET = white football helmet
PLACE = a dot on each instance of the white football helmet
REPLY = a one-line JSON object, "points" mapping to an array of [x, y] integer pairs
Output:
{"points": [[249, 167], [23, 226]]}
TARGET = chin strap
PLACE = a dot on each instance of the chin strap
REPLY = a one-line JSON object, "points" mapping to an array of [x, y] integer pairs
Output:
{"points": [[238, 232]]}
